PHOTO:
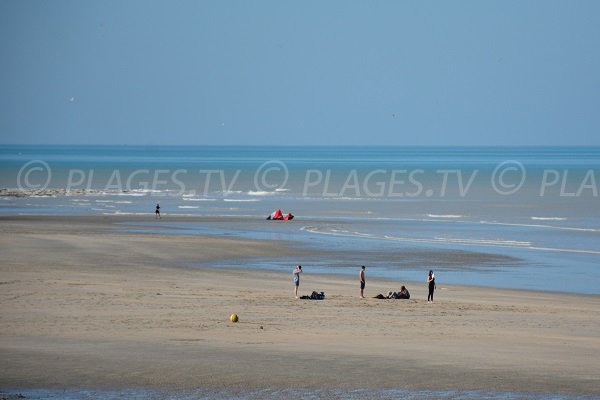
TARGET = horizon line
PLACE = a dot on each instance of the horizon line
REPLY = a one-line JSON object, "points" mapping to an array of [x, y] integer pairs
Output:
{"points": [[303, 145]]}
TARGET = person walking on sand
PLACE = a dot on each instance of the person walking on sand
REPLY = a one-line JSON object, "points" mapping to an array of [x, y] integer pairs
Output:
{"points": [[431, 283], [297, 273], [361, 276], [157, 211]]}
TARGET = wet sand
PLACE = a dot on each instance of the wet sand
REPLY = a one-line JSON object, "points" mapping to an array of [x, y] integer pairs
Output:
{"points": [[84, 306]]}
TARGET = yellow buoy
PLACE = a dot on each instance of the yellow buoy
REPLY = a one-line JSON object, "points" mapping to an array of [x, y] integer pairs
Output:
{"points": [[233, 318]]}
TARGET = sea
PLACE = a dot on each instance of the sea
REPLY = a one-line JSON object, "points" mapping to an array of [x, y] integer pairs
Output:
{"points": [[506, 217], [273, 393], [503, 217]]}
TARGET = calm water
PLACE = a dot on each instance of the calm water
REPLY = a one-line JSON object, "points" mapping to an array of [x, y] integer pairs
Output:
{"points": [[505, 217], [298, 393]]}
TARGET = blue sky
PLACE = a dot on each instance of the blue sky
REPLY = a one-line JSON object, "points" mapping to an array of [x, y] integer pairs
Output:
{"points": [[302, 73]]}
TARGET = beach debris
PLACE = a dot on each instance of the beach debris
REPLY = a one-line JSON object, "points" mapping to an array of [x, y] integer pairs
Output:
{"points": [[234, 318]]}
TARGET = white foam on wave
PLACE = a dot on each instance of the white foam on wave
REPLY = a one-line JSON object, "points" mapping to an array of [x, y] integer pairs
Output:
{"points": [[117, 212], [104, 201], [445, 216], [345, 198], [446, 240], [242, 200], [562, 228], [493, 242], [282, 190], [188, 207], [128, 194], [564, 250], [231, 192], [140, 213], [260, 193], [234, 215], [548, 219], [133, 192], [197, 199], [149, 191], [484, 222], [123, 202]]}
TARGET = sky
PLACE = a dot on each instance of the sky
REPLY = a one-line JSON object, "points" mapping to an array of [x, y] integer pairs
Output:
{"points": [[451, 73]]}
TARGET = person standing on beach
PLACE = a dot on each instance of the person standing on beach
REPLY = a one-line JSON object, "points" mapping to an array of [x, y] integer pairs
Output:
{"points": [[297, 273], [431, 283], [361, 276], [158, 210]]}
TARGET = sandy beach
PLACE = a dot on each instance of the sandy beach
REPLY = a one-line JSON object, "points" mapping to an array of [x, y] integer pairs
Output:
{"points": [[82, 306]]}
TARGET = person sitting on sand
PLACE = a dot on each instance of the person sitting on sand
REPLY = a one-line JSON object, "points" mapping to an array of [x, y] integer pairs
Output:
{"points": [[403, 294], [390, 295]]}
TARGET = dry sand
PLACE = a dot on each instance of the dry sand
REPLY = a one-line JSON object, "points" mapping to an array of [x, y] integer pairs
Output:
{"points": [[84, 306]]}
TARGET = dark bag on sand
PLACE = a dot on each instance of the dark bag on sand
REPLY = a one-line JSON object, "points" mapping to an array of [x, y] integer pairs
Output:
{"points": [[314, 296]]}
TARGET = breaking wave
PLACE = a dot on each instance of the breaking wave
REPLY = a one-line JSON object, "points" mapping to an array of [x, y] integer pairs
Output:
{"points": [[260, 193], [444, 240], [445, 216], [197, 199], [242, 200]]}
